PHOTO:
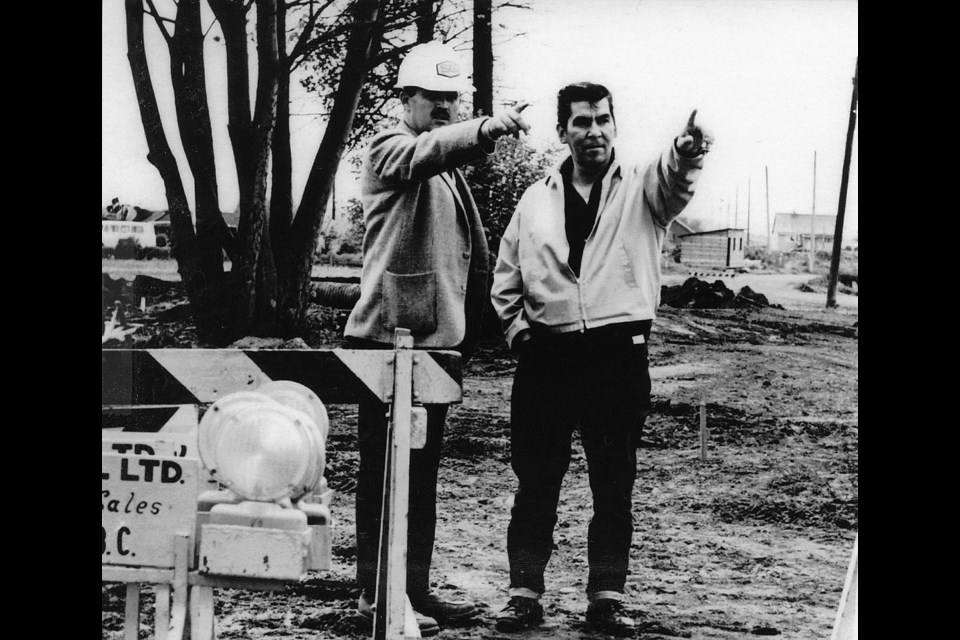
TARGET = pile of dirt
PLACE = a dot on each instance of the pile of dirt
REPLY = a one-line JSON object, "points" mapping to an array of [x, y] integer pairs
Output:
{"points": [[698, 294], [847, 283]]}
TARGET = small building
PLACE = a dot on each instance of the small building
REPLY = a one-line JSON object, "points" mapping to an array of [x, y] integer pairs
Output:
{"points": [[793, 231], [718, 249]]}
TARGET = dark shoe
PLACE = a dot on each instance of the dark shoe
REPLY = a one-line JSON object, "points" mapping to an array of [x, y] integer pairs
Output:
{"points": [[428, 626], [444, 611], [520, 614], [608, 616]]}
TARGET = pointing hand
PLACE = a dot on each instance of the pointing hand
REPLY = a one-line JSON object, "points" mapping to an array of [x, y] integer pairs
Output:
{"points": [[508, 122], [695, 139]]}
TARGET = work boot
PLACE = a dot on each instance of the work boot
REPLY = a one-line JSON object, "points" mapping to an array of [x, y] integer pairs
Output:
{"points": [[520, 614], [443, 611], [608, 615], [427, 625]]}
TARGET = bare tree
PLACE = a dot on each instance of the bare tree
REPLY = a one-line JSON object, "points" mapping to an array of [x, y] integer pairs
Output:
{"points": [[250, 300], [347, 52]]}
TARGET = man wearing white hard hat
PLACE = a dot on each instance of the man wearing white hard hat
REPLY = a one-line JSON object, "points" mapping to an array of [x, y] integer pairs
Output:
{"points": [[425, 269]]}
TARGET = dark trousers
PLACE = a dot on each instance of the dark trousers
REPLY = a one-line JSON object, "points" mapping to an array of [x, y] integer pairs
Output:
{"points": [[422, 513], [598, 381]]}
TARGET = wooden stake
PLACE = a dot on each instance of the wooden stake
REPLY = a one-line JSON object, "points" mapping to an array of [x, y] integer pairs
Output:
{"points": [[813, 218], [131, 615], [703, 428], [389, 618], [845, 624], [161, 618]]}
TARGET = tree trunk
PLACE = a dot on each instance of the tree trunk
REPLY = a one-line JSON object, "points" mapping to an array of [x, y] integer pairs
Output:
{"points": [[482, 58], [232, 17], [183, 240], [193, 117], [281, 187], [426, 20], [305, 232], [256, 273]]}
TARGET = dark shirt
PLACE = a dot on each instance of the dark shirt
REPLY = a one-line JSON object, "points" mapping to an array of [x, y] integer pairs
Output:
{"points": [[579, 215]]}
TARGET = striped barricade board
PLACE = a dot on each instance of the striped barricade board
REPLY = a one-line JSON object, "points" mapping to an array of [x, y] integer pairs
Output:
{"points": [[150, 469], [149, 418], [337, 376]]}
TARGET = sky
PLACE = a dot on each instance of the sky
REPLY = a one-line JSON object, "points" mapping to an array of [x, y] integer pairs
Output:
{"points": [[771, 79]]}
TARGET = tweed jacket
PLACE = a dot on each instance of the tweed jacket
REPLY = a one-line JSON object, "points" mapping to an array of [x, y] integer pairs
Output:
{"points": [[425, 255]]}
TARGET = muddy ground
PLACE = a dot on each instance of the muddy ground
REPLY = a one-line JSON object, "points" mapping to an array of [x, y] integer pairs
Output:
{"points": [[754, 540]]}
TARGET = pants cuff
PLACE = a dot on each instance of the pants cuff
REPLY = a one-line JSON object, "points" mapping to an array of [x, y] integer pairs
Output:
{"points": [[524, 592], [604, 595]]}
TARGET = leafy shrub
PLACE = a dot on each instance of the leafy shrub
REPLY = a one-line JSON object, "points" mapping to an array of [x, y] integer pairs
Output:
{"points": [[498, 183]]}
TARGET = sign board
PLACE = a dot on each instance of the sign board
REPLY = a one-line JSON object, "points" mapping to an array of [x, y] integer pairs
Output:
{"points": [[145, 502], [179, 445], [150, 444]]}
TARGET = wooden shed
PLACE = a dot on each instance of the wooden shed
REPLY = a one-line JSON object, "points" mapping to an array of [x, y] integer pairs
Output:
{"points": [[717, 249]]}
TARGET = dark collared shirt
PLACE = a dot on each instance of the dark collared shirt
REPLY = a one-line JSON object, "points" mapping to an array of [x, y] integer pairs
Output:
{"points": [[579, 215]]}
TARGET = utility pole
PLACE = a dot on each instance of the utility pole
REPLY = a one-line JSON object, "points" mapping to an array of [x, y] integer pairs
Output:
{"points": [[841, 207], [748, 212], [736, 207], [766, 172], [813, 217]]}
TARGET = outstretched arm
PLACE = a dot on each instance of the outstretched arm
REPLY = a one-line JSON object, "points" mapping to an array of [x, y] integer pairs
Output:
{"points": [[669, 182], [398, 157]]}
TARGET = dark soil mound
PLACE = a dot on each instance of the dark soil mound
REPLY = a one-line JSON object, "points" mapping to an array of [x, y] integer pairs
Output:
{"points": [[698, 294]]}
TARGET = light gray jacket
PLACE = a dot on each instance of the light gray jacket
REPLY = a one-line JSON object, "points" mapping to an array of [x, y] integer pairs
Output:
{"points": [[424, 248], [620, 274]]}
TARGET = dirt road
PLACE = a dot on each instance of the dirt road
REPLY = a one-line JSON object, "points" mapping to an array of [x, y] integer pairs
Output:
{"points": [[753, 541]]}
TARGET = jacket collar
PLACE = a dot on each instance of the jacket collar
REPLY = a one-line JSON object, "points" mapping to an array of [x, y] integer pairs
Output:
{"points": [[555, 179]]}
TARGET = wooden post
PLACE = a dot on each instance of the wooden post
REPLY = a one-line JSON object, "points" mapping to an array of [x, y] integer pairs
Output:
{"points": [[389, 618], [131, 612], [178, 611], [845, 624], [736, 207], [161, 616], [766, 173], [201, 613], [748, 211], [813, 218], [703, 427], [842, 206]]}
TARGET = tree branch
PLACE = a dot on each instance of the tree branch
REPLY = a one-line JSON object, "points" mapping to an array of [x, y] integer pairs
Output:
{"points": [[304, 38], [160, 20]]}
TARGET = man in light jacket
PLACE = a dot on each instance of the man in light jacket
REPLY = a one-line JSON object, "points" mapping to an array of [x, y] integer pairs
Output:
{"points": [[425, 268], [576, 286]]}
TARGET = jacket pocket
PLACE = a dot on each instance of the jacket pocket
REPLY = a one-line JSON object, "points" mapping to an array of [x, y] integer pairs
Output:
{"points": [[409, 301]]}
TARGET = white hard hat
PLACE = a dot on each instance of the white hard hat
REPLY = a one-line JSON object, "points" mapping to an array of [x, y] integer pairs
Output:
{"points": [[435, 67]]}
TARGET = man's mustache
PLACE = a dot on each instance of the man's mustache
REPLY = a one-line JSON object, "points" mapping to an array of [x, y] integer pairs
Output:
{"points": [[440, 112]]}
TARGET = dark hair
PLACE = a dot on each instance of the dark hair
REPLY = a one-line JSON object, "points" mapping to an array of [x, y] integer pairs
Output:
{"points": [[580, 92]]}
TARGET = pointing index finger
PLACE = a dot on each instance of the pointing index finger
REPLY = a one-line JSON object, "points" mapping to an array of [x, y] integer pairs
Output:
{"points": [[520, 106], [693, 115]]}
